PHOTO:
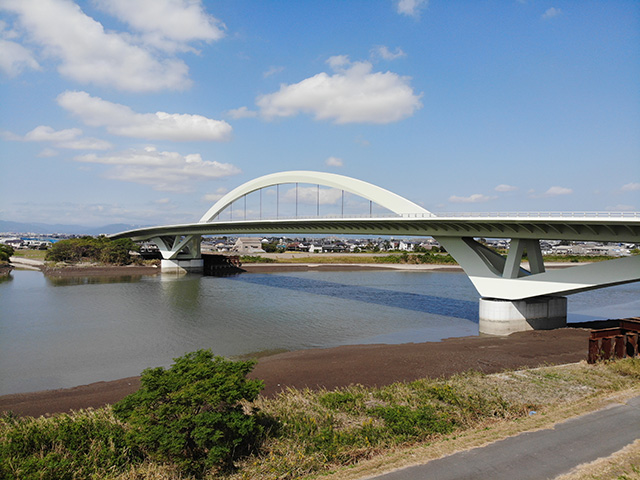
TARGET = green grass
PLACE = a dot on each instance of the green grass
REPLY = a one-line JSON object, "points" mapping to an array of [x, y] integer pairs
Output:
{"points": [[309, 433], [32, 254]]}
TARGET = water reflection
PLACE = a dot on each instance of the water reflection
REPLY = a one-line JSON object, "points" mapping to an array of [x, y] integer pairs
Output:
{"points": [[91, 280], [449, 307], [6, 278]]}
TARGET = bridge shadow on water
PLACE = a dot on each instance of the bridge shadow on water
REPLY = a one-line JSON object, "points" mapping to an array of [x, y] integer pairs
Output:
{"points": [[448, 307]]}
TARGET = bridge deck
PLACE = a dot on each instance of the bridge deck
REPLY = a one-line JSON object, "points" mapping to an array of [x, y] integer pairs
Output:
{"points": [[601, 229]]}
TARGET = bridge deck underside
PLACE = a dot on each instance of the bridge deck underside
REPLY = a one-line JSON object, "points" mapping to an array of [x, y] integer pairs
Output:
{"points": [[604, 230]]}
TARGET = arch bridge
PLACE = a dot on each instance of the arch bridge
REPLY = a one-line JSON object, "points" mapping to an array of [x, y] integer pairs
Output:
{"points": [[512, 297]]}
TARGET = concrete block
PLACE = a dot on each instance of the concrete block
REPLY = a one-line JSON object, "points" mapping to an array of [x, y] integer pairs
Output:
{"points": [[502, 317], [194, 265]]}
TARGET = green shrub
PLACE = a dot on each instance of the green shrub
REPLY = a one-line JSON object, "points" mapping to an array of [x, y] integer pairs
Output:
{"points": [[5, 252], [85, 444], [192, 414]]}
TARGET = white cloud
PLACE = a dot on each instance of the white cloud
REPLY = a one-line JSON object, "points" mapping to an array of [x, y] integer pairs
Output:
{"points": [[86, 144], [555, 191], [309, 195], [164, 171], [272, 71], [352, 95], [475, 198], [242, 112], [214, 197], [386, 54], [67, 138], [505, 188], [47, 153], [88, 54], [14, 58], [551, 13], [334, 162], [621, 208], [410, 7], [45, 133], [631, 187], [121, 120], [166, 24]]}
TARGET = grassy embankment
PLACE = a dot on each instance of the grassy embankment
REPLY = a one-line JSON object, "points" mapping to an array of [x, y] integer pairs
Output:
{"points": [[351, 432], [401, 258], [31, 254]]}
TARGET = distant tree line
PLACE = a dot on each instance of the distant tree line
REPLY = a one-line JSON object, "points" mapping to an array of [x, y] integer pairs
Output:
{"points": [[92, 249]]}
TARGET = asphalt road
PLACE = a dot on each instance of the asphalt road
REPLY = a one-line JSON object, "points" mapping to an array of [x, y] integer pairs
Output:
{"points": [[543, 454]]}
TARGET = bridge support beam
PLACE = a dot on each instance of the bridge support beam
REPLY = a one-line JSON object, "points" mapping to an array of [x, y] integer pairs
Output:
{"points": [[503, 317]]}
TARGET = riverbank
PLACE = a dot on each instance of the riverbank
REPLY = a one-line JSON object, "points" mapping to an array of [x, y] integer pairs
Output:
{"points": [[284, 262], [368, 365], [83, 270]]}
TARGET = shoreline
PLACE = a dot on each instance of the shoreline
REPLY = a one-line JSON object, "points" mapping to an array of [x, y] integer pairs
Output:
{"points": [[139, 270], [330, 368]]}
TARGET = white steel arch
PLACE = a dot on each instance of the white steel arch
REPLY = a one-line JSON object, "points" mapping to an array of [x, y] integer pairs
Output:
{"points": [[378, 195]]}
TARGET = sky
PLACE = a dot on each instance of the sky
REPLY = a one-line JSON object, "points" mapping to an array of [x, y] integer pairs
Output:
{"points": [[146, 112]]}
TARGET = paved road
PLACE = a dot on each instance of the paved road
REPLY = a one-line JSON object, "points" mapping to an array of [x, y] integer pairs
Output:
{"points": [[543, 454]]}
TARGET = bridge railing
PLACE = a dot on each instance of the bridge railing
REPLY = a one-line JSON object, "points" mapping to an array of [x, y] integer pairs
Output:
{"points": [[461, 215]]}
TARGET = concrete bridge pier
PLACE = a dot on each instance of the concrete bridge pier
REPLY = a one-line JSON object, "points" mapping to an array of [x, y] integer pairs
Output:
{"points": [[503, 317], [191, 265]]}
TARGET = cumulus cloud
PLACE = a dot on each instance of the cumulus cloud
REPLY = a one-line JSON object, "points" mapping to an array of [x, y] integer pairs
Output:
{"points": [[475, 198], [551, 13], [67, 138], [353, 94], [309, 195], [556, 191], [631, 187], [242, 112], [14, 58], [166, 24], [122, 120], [505, 188], [386, 54], [334, 162], [410, 8], [87, 53], [164, 171]]}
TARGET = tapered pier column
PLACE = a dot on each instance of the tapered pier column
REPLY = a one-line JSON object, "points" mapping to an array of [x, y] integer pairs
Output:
{"points": [[502, 317]]}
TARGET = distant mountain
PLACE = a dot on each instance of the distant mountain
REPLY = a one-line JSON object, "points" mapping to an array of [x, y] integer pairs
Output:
{"points": [[43, 228]]}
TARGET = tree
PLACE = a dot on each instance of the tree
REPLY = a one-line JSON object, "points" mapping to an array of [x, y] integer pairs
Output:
{"points": [[6, 251], [101, 249], [192, 413]]}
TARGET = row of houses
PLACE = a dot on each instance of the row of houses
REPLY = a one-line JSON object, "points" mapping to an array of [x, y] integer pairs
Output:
{"points": [[256, 245]]}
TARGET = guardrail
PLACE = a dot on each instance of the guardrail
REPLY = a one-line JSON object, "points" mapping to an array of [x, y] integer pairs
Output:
{"points": [[457, 215]]}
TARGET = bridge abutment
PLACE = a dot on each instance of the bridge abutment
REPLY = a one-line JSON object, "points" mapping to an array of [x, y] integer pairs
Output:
{"points": [[503, 317], [191, 265]]}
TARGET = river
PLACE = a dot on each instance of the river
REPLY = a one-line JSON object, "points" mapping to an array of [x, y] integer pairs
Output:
{"points": [[58, 333]]}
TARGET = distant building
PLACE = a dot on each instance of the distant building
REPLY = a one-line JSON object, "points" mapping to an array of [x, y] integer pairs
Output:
{"points": [[248, 246]]}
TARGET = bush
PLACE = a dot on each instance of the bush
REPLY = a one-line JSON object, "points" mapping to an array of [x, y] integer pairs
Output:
{"points": [[85, 444], [5, 252], [192, 413]]}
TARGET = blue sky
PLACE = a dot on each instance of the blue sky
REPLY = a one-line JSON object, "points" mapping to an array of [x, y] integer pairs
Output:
{"points": [[147, 111]]}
